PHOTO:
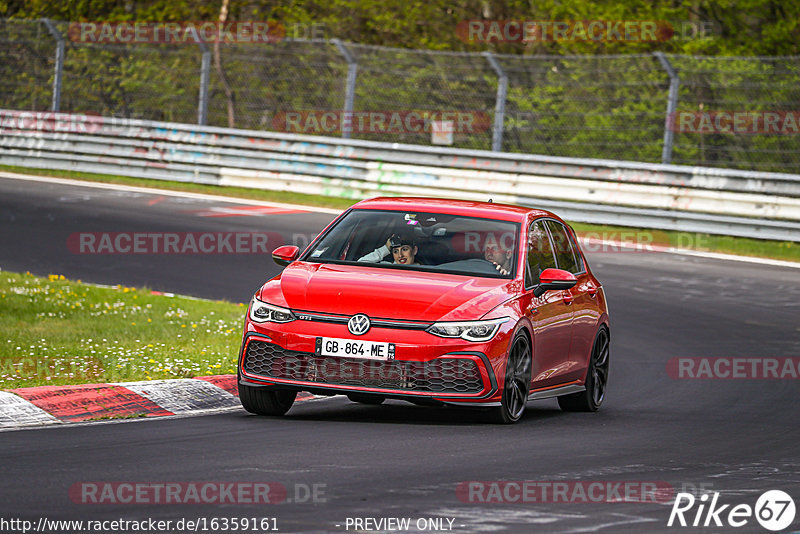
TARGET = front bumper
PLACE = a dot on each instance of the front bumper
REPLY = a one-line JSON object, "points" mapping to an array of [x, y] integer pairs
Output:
{"points": [[458, 376]]}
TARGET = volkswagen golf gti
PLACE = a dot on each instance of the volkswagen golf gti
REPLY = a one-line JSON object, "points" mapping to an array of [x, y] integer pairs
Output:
{"points": [[431, 301]]}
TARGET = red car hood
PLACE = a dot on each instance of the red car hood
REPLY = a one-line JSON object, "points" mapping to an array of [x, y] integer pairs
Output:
{"points": [[385, 293]]}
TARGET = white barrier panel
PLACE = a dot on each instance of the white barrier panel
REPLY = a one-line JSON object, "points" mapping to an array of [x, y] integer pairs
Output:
{"points": [[623, 194], [721, 201]]}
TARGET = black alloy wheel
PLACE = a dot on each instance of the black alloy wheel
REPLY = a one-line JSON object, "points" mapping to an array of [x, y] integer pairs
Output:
{"points": [[517, 382], [596, 378]]}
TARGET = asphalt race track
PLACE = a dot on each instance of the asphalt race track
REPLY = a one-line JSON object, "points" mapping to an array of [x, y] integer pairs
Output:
{"points": [[737, 437]]}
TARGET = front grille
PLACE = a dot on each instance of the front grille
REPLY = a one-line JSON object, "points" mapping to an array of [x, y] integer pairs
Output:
{"points": [[448, 375]]}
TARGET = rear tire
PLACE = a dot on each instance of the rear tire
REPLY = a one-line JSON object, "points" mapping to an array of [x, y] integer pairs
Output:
{"points": [[363, 398], [596, 379], [517, 383], [265, 400]]}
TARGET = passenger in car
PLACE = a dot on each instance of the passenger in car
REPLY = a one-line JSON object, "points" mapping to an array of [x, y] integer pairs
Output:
{"points": [[498, 256], [402, 247]]}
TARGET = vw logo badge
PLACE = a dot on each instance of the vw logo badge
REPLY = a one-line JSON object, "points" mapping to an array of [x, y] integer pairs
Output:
{"points": [[358, 324]]}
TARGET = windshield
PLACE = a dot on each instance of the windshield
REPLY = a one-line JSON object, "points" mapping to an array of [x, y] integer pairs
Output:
{"points": [[421, 241]]}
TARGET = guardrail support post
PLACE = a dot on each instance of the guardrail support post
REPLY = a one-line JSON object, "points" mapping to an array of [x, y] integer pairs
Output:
{"points": [[350, 90], [205, 74], [672, 104], [500, 103], [59, 66]]}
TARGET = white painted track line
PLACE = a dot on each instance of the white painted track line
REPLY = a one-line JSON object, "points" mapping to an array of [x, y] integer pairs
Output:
{"points": [[165, 192]]}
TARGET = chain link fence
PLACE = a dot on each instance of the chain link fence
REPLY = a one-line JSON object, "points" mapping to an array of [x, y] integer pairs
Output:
{"points": [[625, 107]]}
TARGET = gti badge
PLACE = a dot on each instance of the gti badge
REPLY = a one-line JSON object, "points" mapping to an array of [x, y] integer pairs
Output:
{"points": [[358, 324]]}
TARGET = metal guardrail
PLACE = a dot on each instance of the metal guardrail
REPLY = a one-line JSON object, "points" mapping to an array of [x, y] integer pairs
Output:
{"points": [[651, 107], [670, 197]]}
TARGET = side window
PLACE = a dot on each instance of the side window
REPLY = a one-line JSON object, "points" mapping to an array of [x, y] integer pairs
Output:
{"points": [[563, 247], [540, 253], [576, 250]]}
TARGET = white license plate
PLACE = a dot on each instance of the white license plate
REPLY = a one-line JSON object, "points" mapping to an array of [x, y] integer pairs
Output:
{"points": [[351, 348]]}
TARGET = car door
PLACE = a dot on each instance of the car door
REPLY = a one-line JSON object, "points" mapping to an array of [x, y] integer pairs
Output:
{"points": [[582, 297], [550, 313]]}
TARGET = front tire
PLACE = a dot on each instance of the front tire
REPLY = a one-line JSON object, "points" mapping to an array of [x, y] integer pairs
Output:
{"points": [[266, 401], [596, 379], [517, 382]]}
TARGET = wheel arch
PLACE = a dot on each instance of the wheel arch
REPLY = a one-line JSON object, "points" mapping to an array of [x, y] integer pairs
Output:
{"points": [[525, 328]]}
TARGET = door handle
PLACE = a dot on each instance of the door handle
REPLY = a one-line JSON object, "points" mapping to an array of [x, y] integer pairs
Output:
{"points": [[568, 298], [592, 291]]}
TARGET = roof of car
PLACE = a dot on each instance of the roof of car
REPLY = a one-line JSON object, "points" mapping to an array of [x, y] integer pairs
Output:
{"points": [[470, 208]]}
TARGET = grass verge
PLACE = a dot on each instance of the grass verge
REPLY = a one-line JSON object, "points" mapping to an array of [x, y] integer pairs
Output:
{"points": [[60, 331], [781, 250]]}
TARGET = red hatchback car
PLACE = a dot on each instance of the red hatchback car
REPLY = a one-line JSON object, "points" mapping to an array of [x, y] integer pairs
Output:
{"points": [[434, 302]]}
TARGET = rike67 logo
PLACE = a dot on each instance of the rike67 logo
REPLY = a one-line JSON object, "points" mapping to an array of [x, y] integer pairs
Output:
{"points": [[774, 510]]}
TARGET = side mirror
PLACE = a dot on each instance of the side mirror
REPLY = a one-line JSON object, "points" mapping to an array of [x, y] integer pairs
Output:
{"points": [[553, 280], [285, 255]]}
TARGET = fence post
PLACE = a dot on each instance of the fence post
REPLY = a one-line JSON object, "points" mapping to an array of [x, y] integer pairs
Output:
{"points": [[500, 103], [672, 104], [350, 90], [59, 67], [205, 73]]}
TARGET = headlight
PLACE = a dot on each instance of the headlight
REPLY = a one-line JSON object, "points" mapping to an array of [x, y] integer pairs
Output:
{"points": [[469, 330], [261, 312]]}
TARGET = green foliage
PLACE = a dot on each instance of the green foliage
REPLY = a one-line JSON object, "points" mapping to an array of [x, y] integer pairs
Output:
{"points": [[737, 27]]}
